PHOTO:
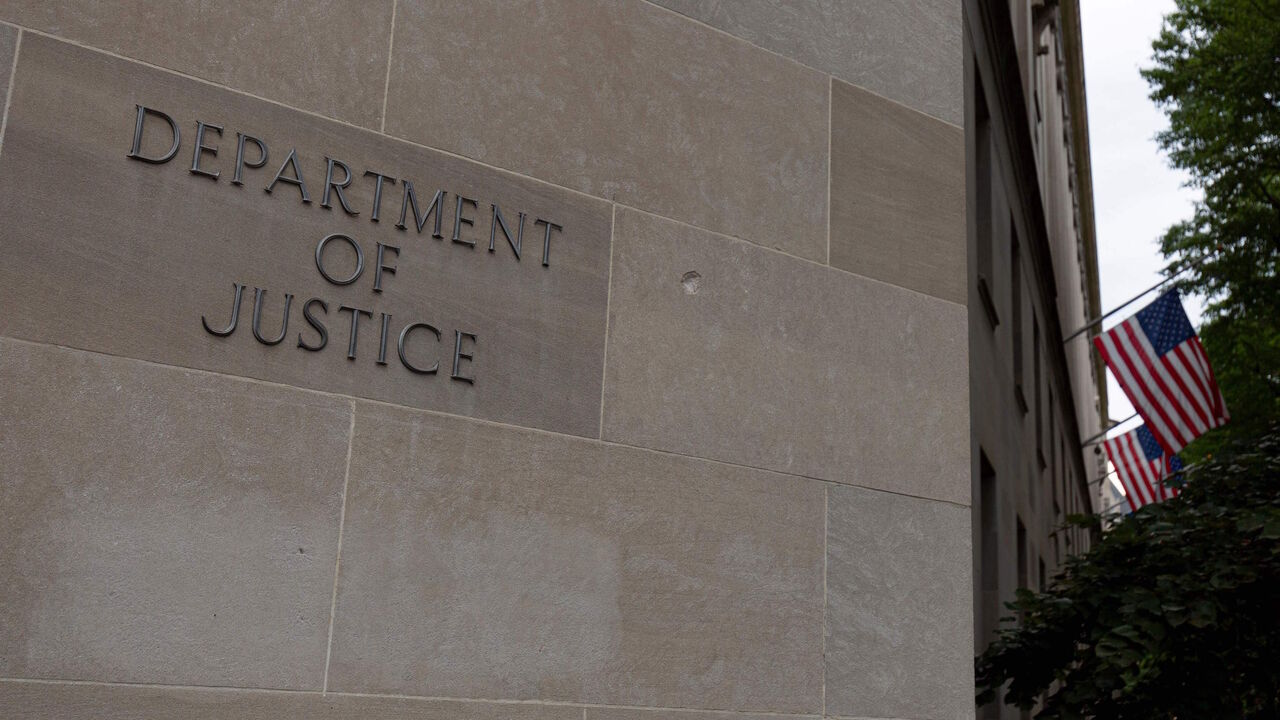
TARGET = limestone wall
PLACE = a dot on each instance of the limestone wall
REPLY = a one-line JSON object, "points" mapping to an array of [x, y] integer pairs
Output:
{"points": [[668, 417]]}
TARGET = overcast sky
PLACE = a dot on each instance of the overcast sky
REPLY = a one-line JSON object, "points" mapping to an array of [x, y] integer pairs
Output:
{"points": [[1136, 194]]}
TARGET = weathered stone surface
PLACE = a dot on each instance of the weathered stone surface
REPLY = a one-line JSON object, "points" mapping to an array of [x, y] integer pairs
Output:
{"points": [[44, 701], [164, 526], [489, 562], [8, 46], [899, 619], [622, 100], [107, 253], [907, 50], [723, 350], [897, 194], [326, 56]]}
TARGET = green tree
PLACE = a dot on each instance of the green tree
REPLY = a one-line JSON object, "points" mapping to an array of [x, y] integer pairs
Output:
{"points": [[1175, 613], [1216, 75]]}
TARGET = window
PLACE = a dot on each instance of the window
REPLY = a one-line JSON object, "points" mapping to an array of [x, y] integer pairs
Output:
{"points": [[1053, 421], [1022, 555], [1059, 492], [1015, 309], [1035, 377], [1039, 138], [989, 547], [1066, 487], [984, 168], [1071, 533], [1063, 470], [1069, 488]]}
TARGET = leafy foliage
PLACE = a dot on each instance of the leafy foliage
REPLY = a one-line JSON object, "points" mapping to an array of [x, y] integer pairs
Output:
{"points": [[1175, 613], [1216, 74]]}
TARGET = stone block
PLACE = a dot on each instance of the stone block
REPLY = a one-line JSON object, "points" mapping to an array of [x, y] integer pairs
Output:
{"points": [[160, 525], [487, 562], [724, 350], [906, 50], [107, 253], [897, 195], [899, 638], [325, 56], [622, 100]]}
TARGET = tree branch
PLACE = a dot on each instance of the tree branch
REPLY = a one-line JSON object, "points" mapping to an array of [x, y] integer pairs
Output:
{"points": [[1271, 199]]}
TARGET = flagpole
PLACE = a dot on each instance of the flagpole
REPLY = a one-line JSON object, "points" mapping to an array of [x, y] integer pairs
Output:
{"points": [[1111, 507], [1094, 438], [1104, 477], [1096, 321]]}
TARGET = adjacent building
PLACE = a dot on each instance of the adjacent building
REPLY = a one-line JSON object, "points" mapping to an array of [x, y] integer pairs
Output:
{"points": [[1032, 281]]}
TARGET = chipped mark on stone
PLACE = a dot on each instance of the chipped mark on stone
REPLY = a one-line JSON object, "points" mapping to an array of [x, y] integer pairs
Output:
{"points": [[691, 281]]}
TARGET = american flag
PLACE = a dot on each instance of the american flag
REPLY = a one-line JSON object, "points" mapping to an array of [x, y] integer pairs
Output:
{"points": [[1142, 466], [1161, 365]]}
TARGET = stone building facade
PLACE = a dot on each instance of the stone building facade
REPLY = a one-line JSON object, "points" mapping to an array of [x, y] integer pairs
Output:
{"points": [[1033, 280], [555, 359]]}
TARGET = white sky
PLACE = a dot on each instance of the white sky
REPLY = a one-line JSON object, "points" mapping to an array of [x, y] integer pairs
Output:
{"points": [[1136, 194]]}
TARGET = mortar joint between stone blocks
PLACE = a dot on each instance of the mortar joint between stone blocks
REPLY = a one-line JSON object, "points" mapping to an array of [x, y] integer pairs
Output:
{"points": [[386, 84], [831, 82], [608, 301], [8, 96], [337, 562]]}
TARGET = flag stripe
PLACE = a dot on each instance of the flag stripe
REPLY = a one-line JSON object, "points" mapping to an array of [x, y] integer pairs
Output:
{"points": [[1136, 391], [1137, 472], [1184, 375], [1186, 356], [1200, 364], [1112, 447], [1181, 362], [1143, 480], [1207, 373], [1147, 365], [1130, 492], [1140, 383], [1131, 451], [1150, 481], [1134, 503], [1168, 382], [1111, 355]]}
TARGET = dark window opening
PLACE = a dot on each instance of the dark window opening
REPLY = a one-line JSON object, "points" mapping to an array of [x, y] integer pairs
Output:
{"points": [[985, 170], [1015, 315]]}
